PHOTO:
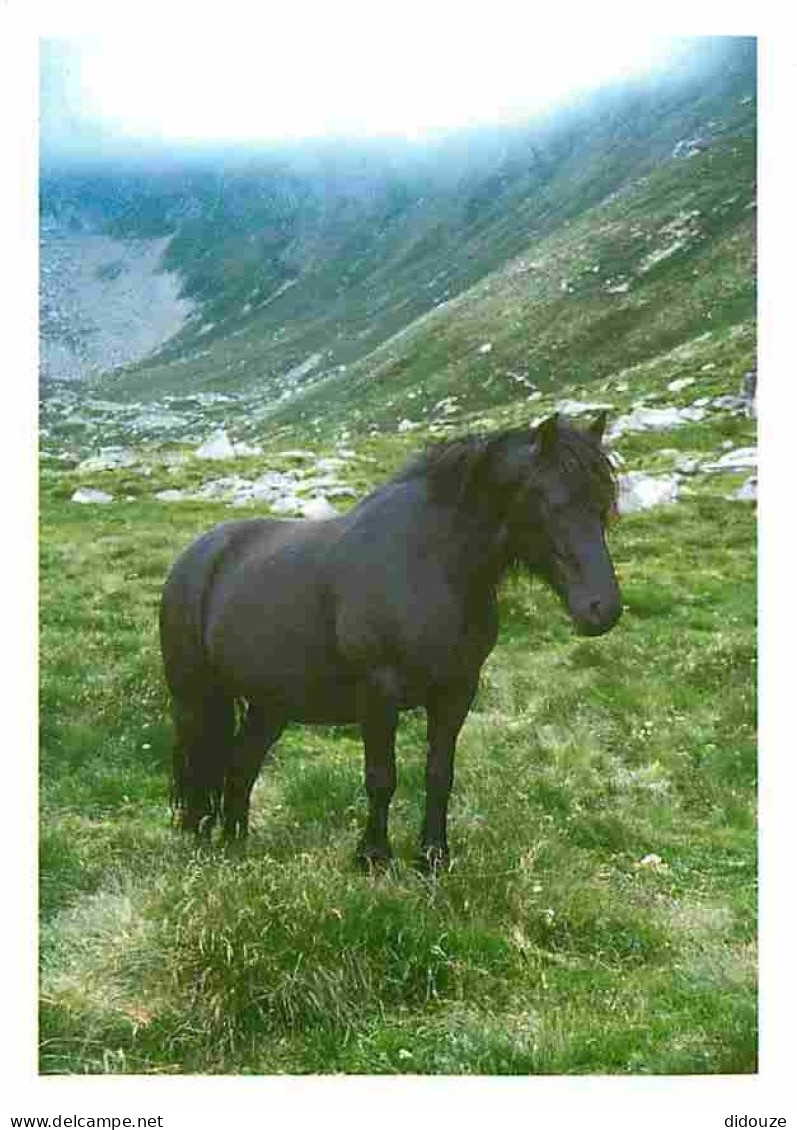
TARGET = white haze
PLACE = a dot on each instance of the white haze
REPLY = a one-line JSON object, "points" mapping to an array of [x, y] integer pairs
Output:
{"points": [[279, 80]]}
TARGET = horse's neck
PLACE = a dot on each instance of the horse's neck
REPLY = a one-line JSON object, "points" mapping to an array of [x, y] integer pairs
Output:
{"points": [[474, 547]]}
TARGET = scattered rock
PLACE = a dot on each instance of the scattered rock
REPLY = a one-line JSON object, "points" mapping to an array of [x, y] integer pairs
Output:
{"points": [[305, 367], [686, 464], [331, 463], [318, 508], [655, 419], [747, 391], [737, 460], [680, 383], [218, 446], [486, 348], [88, 495], [109, 459], [747, 492], [652, 861], [447, 405], [689, 147], [639, 491], [580, 407], [730, 403], [155, 421]]}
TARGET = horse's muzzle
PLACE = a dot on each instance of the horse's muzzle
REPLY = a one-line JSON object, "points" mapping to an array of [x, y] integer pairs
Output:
{"points": [[599, 618]]}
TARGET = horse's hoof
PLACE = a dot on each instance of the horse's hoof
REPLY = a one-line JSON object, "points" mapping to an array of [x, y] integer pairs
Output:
{"points": [[205, 828], [372, 859], [434, 859]]}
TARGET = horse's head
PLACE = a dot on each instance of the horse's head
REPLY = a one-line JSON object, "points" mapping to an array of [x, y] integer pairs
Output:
{"points": [[559, 516]]}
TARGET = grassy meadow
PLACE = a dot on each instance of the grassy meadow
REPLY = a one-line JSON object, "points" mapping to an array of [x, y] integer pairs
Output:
{"points": [[600, 912]]}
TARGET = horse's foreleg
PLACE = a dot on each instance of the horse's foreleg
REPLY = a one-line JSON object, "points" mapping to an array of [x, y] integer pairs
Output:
{"points": [[379, 710], [248, 754], [446, 711]]}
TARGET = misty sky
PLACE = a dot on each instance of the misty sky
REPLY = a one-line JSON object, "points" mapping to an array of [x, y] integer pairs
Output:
{"points": [[278, 80]]}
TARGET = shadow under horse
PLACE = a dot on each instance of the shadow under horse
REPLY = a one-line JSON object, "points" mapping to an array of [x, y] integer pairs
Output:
{"points": [[393, 605]]}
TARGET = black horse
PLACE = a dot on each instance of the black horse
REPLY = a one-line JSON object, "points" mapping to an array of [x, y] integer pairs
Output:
{"points": [[389, 606]]}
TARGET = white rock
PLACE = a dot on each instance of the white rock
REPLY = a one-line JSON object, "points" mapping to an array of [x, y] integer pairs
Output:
{"points": [[732, 403], [156, 421], [305, 367], [218, 446], [652, 860], [297, 454], [109, 459], [170, 496], [86, 494], [680, 383], [407, 426], [330, 463], [174, 459], [686, 464], [318, 508], [639, 491], [486, 348], [747, 492], [738, 460], [655, 419], [579, 407], [283, 504]]}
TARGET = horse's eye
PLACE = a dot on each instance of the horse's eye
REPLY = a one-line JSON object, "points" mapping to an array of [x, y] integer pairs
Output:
{"points": [[611, 515]]}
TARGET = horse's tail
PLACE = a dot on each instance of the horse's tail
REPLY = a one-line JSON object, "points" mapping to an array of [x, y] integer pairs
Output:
{"points": [[204, 716], [204, 734]]}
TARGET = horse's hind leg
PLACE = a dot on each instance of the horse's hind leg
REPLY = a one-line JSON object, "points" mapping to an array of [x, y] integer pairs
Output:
{"points": [[247, 756], [204, 733]]}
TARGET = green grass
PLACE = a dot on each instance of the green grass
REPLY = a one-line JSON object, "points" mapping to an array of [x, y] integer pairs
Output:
{"points": [[550, 947]]}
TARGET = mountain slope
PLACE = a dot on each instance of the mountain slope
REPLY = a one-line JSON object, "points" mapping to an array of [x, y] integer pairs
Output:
{"points": [[311, 260]]}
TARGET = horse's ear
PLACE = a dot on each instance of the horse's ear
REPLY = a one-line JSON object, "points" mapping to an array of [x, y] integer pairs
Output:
{"points": [[598, 426], [547, 432]]}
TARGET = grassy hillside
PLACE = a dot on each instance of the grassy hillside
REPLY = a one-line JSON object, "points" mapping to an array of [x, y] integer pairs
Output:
{"points": [[600, 913]]}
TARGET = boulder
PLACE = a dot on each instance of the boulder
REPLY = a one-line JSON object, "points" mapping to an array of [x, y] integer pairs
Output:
{"points": [[218, 446], [88, 495], [739, 459], [318, 508], [580, 407], [655, 419], [639, 491], [109, 459], [747, 492]]}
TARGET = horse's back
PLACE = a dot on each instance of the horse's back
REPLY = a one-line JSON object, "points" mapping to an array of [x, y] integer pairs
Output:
{"points": [[268, 624]]}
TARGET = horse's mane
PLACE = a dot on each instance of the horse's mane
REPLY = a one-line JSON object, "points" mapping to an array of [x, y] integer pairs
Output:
{"points": [[457, 468]]}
